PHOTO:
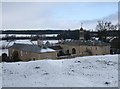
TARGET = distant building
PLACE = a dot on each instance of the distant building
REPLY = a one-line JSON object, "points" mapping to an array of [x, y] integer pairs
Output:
{"points": [[84, 47], [81, 32], [32, 52], [66, 48]]}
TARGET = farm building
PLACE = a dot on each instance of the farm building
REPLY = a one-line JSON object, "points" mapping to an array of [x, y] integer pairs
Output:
{"points": [[83, 47], [68, 48], [31, 52]]}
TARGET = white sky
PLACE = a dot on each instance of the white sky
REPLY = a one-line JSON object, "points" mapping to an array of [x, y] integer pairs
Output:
{"points": [[39, 15], [59, 0]]}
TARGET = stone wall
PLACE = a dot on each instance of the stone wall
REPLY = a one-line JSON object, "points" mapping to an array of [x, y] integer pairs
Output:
{"points": [[86, 50], [25, 55], [75, 50]]}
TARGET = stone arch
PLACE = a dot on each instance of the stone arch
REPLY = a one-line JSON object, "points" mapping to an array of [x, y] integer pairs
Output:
{"points": [[67, 52], [60, 53], [73, 51]]}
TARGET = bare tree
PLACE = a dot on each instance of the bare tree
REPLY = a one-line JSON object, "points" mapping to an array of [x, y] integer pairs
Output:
{"points": [[102, 28]]}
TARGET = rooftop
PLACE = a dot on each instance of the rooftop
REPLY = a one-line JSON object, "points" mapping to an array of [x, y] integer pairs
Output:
{"points": [[31, 48], [84, 42], [56, 47]]}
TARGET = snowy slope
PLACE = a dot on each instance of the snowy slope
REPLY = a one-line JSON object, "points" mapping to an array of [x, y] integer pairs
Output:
{"points": [[90, 71]]}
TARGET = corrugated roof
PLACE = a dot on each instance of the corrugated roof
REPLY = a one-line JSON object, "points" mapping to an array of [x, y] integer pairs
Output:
{"points": [[31, 48]]}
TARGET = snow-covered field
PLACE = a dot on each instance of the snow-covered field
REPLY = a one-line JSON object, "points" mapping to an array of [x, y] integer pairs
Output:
{"points": [[90, 71]]}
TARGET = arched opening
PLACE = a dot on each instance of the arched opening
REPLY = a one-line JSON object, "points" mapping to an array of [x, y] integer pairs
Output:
{"points": [[60, 53], [34, 59], [73, 51], [67, 52]]}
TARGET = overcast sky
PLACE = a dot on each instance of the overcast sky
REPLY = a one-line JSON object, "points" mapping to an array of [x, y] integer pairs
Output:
{"points": [[59, 15]]}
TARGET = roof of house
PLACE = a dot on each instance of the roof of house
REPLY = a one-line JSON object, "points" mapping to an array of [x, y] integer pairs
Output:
{"points": [[88, 43], [56, 47], [81, 29], [31, 48]]}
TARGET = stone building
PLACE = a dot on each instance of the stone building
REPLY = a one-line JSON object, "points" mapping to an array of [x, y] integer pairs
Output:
{"points": [[81, 36], [68, 48], [83, 47], [32, 52]]}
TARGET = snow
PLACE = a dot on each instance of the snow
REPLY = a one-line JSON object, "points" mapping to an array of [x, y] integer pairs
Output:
{"points": [[16, 41], [89, 71], [4, 51], [47, 50], [4, 43], [25, 42]]}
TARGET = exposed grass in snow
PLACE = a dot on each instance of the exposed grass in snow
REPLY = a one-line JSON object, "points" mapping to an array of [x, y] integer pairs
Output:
{"points": [[90, 71]]}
